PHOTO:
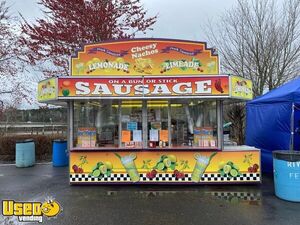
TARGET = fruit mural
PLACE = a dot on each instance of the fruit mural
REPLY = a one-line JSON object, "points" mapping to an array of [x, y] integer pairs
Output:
{"points": [[156, 166], [229, 169], [102, 169], [253, 168], [78, 168], [202, 162]]}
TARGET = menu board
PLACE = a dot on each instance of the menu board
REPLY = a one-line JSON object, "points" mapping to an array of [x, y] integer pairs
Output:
{"points": [[126, 135], [86, 137], [132, 126], [164, 135], [153, 135], [137, 135], [203, 137]]}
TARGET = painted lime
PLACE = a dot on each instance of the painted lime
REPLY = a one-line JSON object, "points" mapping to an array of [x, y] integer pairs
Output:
{"points": [[226, 169], [160, 166], [96, 173], [234, 172]]}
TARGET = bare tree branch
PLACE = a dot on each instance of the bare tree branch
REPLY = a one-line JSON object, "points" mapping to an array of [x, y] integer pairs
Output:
{"points": [[259, 40]]}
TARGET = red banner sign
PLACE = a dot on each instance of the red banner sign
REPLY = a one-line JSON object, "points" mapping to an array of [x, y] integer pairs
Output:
{"points": [[143, 87]]}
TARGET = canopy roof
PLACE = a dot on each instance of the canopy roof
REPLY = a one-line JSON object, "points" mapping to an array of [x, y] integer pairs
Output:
{"points": [[289, 92], [268, 121]]}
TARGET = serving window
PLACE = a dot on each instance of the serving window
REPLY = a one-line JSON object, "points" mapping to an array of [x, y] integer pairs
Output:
{"points": [[178, 123]]}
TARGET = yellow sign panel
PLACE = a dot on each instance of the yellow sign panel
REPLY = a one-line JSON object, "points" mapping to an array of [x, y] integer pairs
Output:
{"points": [[241, 88], [47, 90], [155, 57], [159, 166]]}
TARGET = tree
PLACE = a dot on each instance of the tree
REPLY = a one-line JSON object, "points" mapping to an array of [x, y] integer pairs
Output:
{"points": [[259, 40], [8, 39], [235, 113], [11, 87], [69, 24]]}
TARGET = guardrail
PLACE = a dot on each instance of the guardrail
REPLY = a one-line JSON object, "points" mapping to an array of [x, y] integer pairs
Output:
{"points": [[32, 128]]}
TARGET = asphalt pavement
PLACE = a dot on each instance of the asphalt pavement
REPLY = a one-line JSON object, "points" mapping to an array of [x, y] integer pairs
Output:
{"points": [[147, 204]]}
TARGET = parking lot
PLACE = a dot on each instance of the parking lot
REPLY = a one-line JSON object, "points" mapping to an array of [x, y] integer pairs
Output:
{"points": [[133, 204]]}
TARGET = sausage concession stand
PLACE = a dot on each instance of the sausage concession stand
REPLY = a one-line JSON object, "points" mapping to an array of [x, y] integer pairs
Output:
{"points": [[150, 111]]}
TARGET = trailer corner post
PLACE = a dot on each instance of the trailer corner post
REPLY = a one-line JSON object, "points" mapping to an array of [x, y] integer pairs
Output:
{"points": [[220, 124], [70, 105], [144, 123]]}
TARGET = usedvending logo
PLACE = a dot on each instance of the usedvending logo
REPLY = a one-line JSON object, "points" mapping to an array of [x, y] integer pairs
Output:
{"points": [[31, 211]]}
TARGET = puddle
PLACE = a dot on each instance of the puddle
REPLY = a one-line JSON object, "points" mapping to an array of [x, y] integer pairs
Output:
{"points": [[237, 197], [152, 193]]}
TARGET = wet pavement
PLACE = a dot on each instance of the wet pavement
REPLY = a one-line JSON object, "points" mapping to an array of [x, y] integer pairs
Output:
{"points": [[168, 205]]}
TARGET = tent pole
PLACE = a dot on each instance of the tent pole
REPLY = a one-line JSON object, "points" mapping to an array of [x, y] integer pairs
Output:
{"points": [[292, 128]]}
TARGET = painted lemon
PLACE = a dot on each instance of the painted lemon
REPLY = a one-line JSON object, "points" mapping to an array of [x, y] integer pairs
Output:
{"points": [[50, 208], [172, 158], [108, 165], [119, 60], [221, 164], [95, 60], [167, 162], [103, 169]]}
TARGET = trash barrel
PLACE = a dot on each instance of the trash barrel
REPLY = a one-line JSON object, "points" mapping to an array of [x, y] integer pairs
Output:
{"points": [[25, 153], [60, 156], [287, 175]]}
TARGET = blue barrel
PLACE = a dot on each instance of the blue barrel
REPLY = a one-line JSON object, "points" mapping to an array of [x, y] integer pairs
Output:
{"points": [[287, 175], [60, 156], [25, 153]]}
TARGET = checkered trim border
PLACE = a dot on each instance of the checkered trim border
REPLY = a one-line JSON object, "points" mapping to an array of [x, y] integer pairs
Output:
{"points": [[166, 177]]}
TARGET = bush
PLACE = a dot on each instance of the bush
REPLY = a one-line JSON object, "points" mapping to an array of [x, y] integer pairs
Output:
{"points": [[43, 146]]}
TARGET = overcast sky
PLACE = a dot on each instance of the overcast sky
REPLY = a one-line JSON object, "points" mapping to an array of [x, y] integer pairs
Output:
{"points": [[178, 19]]}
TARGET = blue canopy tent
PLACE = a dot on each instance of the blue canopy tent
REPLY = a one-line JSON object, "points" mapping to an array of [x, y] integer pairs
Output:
{"points": [[273, 121]]}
